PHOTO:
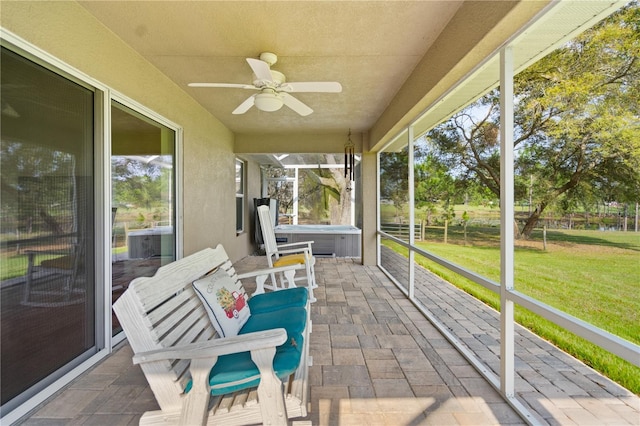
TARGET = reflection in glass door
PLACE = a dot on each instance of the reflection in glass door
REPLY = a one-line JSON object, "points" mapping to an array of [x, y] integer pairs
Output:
{"points": [[142, 198], [47, 272]]}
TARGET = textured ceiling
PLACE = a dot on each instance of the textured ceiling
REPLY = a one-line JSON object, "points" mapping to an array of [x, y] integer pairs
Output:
{"points": [[370, 47]]}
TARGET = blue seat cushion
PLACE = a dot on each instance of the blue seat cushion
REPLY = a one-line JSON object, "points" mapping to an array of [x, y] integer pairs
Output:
{"points": [[237, 371], [289, 297], [292, 319]]}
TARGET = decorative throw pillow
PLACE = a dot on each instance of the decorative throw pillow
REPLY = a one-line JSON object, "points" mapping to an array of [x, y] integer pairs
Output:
{"points": [[224, 301]]}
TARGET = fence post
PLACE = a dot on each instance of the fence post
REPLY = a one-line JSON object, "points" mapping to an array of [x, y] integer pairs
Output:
{"points": [[465, 232], [446, 230], [544, 237]]}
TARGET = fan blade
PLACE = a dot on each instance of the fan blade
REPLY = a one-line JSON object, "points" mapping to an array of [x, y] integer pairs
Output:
{"points": [[296, 105], [318, 86], [260, 69], [229, 85], [244, 106]]}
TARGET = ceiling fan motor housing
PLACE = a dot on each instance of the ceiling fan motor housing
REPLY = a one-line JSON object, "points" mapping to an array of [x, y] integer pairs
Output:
{"points": [[278, 79]]}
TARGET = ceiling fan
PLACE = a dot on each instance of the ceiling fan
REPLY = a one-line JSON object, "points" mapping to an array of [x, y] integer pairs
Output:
{"points": [[273, 88]]}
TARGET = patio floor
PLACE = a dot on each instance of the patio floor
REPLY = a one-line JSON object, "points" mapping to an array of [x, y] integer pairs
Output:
{"points": [[378, 361]]}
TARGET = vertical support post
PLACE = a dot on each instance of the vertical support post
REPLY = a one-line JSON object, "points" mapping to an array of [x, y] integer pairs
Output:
{"points": [[412, 213], [370, 194], [446, 230], [507, 345], [378, 239], [295, 196], [270, 393], [354, 187], [265, 183], [103, 274], [260, 279], [194, 405]]}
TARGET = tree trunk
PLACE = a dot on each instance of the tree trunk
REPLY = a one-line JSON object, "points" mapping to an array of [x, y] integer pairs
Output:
{"points": [[339, 209], [340, 212], [532, 221], [446, 230]]}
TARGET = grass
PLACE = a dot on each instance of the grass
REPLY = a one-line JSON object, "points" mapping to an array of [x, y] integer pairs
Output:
{"points": [[15, 265], [591, 275]]}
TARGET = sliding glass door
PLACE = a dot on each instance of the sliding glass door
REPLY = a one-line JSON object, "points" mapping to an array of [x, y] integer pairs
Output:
{"points": [[142, 197], [47, 283]]}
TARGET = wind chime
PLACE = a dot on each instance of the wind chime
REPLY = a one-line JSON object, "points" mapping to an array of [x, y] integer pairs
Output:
{"points": [[349, 160]]}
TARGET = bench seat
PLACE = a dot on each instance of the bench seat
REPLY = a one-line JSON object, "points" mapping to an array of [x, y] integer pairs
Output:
{"points": [[198, 377], [290, 297]]}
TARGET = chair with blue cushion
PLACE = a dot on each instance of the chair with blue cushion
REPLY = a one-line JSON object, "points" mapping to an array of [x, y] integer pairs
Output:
{"points": [[259, 376], [298, 253]]}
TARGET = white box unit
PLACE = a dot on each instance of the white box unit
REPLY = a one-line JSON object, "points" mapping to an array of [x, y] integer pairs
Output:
{"points": [[329, 240]]}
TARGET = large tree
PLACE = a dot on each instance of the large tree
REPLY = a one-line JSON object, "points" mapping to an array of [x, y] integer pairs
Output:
{"points": [[324, 194], [434, 186], [37, 188], [327, 191], [139, 183], [576, 120], [394, 178]]}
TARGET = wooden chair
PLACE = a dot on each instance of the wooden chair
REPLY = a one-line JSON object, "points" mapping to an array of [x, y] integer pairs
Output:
{"points": [[176, 346], [61, 269], [286, 254]]}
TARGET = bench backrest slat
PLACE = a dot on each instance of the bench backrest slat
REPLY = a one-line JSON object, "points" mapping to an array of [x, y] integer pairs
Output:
{"points": [[169, 279], [159, 314], [184, 317]]}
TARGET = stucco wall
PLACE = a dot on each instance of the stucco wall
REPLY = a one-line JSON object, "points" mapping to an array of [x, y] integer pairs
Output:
{"points": [[68, 32]]}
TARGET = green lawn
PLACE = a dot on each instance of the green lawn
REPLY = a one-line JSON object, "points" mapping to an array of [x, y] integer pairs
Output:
{"points": [[591, 275], [15, 265]]}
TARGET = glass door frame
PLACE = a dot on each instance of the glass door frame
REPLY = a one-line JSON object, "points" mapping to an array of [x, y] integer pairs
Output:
{"points": [[178, 186], [37, 394], [104, 341]]}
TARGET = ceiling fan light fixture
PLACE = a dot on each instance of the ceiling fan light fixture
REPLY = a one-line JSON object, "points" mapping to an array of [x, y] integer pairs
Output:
{"points": [[274, 91], [268, 102]]}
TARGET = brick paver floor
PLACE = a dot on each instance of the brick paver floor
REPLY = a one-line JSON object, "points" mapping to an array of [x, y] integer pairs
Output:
{"points": [[556, 387], [378, 361]]}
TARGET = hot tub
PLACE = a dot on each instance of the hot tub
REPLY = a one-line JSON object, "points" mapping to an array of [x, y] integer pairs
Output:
{"points": [[329, 240], [150, 242]]}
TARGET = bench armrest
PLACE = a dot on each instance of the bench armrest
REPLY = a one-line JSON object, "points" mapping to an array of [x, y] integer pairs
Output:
{"points": [[306, 251], [31, 254], [299, 243], [261, 275], [268, 271], [60, 252], [203, 356], [217, 347]]}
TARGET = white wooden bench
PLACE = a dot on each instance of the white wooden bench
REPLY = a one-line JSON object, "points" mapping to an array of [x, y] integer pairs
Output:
{"points": [[175, 344]]}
